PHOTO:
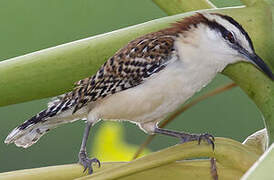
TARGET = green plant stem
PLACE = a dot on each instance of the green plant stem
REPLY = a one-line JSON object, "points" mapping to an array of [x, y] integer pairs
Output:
{"points": [[228, 153], [68, 171], [172, 7], [233, 159], [181, 170], [198, 169]]}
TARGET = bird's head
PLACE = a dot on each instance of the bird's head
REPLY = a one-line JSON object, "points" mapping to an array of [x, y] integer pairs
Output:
{"points": [[222, 38]]}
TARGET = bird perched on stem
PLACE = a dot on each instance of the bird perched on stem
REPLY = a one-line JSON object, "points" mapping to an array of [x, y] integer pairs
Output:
{"points": [[147, 79]]}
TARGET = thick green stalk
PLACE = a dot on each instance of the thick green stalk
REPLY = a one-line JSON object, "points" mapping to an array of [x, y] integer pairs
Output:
{"points": [[233, 160], [196, 169], [68, 171], [172, 7], [229, 153]]}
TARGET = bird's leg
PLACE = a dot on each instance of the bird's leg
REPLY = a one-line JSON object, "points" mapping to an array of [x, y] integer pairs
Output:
{"points": [[186, 137], [83, 158]]}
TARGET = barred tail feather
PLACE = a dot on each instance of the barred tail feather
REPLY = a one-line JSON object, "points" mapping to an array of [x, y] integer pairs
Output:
{"points": [[33, 129], [27, 137]]}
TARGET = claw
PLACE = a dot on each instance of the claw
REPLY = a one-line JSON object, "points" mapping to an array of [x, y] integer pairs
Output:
{"points": [[87, 162], [208, 138], [85, 167], [97, 161], [186, 137], [212, 137], [195, 137], [90, 170]]}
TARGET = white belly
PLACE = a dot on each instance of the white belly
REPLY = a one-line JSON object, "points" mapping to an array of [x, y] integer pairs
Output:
{"points": [[151, 101]]}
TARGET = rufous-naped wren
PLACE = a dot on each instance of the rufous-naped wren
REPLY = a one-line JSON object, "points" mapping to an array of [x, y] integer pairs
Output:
{"points": [[147, 79]]}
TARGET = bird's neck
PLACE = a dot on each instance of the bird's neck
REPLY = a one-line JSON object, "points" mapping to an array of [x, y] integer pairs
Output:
{"points": [[199, 66], [195, 51]]}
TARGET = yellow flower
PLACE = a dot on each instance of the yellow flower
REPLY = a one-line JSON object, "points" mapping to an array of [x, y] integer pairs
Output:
{"points": [[110, 145]]}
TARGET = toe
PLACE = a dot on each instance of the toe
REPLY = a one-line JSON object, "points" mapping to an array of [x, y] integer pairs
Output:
{"points": [[85, 168], [208, 138], [211, 136], [210, 141], [95, 160], [90, 170], [85, 164]]}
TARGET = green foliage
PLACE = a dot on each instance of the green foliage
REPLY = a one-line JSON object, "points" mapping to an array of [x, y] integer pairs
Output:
{"points": [[233, 159]]}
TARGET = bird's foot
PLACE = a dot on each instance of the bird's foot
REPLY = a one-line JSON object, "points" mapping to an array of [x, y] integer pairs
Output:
{"points": [[185, 137], [87, 162]]}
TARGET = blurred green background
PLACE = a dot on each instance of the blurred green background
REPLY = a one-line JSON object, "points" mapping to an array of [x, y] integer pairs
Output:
{"points": [[28, 26]]}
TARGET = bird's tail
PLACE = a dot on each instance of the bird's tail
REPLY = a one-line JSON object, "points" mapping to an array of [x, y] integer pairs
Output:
{"points": [[28, 133]]}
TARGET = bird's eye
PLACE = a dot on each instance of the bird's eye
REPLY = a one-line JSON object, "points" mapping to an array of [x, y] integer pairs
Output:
{"points": [[229, 36]]}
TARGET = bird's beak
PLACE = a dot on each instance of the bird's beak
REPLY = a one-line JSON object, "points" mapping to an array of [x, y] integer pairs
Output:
{"points": [[259, 63]]}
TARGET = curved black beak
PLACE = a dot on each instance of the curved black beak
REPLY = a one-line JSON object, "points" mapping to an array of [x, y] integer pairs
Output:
{"points": [[259, 63]]}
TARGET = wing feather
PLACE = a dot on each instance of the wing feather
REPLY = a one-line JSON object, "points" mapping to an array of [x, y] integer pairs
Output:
{"points": [[129, 67]]}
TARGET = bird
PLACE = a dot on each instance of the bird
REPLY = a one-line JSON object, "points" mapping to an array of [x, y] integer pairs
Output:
{"points": [[147, 79]]}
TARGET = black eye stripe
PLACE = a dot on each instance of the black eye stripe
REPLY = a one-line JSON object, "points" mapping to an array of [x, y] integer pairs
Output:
{"points": [[218, 27], [238, 26]]}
